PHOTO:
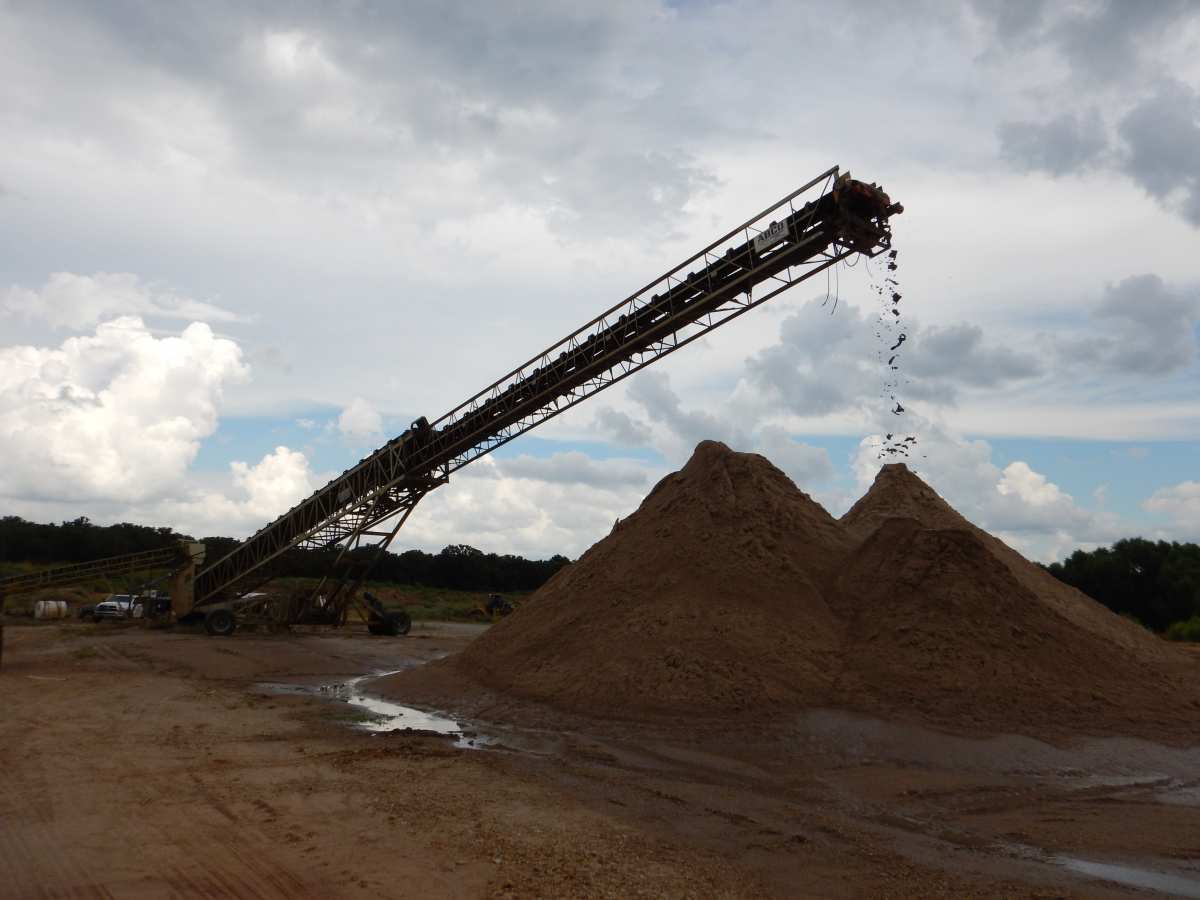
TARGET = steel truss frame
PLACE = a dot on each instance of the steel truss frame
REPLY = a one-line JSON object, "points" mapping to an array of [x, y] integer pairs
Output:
{"points": [[787, 243], [127, 563]]}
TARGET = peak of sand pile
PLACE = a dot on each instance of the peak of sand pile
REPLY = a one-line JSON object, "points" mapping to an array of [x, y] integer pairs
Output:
{"points": [[896, 493], [704, 600]]}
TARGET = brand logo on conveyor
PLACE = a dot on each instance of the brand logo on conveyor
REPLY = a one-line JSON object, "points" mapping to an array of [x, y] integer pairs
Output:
{"points": [[775, 233]]}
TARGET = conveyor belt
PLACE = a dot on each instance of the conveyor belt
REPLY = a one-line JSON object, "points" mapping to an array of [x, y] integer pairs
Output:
{"points": [[827, 220], [164, 558]]}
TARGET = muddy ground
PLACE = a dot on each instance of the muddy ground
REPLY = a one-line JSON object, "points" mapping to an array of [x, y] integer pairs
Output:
{"points": [[136, 763]]}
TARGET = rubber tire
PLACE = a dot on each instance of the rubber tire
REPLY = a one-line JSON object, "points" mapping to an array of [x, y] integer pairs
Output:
{"points": [[394, 624], [220, 622], [401, 623]]}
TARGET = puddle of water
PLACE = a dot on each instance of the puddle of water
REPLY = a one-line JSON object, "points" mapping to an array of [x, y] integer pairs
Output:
{"points": [[385, 716], [1130, 876], [1179, 796], [1150, 779], [1167, 790], [1147, 879]]}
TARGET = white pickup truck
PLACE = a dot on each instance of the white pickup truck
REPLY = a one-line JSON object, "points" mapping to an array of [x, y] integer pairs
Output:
{"points": [[119, 606]]}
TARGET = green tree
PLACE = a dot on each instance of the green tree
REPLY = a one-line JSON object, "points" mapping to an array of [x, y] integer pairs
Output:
{"points": [[1156, 582]]}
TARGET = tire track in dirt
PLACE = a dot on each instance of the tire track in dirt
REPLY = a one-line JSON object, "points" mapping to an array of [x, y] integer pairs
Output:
{"points": [[33, 862], [241, 856], [247, 878]]}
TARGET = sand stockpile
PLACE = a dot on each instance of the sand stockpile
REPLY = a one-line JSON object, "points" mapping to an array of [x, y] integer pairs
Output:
{"points": [[730, 591], [898, 493], [938, 626], [706, 599]]}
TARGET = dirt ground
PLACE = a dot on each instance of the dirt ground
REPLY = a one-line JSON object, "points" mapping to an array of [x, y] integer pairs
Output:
{"points": [[136, 763]]}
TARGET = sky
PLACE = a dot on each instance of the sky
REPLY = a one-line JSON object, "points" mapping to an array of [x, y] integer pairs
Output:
{"points": [[242, 245]]}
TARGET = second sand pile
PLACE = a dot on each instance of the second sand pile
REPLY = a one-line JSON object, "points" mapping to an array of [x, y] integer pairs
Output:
{"points": [[730, 591]]}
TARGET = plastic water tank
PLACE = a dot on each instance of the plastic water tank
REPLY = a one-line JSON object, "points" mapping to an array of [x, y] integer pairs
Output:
{"points": [[50, 609]]}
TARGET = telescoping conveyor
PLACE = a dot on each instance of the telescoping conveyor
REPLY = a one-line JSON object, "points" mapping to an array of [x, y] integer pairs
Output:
{"points": [[359, 513]]}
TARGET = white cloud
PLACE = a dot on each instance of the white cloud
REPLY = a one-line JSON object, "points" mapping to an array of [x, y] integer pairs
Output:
{"points": [[529, 506], [116, 415], [255, 495], [78, 301], [275, 483], [1021, 482], [292, 54], [622, 428], [110, 423], [679, 430], [360, 420], [804, 464], [574, 468], [1016, 503], [1180, 503]]}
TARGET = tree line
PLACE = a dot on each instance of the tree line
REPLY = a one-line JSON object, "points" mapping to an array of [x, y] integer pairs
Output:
{"points": [[1155, 582], [457, 567], [76, 541]]}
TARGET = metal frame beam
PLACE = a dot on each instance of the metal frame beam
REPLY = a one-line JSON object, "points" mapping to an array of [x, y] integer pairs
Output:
{"points": [[786, 243], [163, 558]]}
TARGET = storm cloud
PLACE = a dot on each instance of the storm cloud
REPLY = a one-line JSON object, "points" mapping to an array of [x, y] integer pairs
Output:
{"points": [[1148, 328], [1162, 134], [1129, 103], [825, 363], [1063, 145]]}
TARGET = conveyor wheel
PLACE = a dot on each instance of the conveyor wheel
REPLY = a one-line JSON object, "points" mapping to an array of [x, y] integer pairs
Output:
{"points": [[396, 624], [220, 622]]}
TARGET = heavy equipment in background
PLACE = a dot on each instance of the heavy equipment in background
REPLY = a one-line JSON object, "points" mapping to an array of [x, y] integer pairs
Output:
{"points": [[493, 609], [381, 620], [175, 562], [359, 513]]}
